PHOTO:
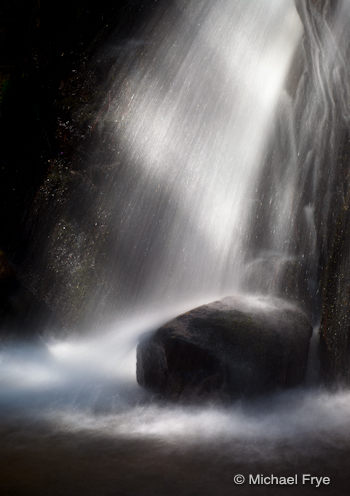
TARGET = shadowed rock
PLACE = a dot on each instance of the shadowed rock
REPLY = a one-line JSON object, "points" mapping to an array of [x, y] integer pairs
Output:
{"points": [[22, 315], [231, 347]]}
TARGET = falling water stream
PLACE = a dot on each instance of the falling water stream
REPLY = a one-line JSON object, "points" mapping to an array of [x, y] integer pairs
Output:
{"points": [[193, 118]]}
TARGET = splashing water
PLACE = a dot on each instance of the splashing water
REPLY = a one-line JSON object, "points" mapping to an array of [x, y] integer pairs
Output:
{"points": [[194, 119]]}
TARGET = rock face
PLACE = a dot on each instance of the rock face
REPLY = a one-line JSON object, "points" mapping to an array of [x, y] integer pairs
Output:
{"points": [[21, 314], [335, 318], [230, 347]]}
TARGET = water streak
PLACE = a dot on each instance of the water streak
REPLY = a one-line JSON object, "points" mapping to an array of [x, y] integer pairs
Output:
{"points": [[194, 118]]}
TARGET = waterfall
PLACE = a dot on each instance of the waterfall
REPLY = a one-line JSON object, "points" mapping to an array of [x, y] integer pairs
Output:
{"points": [[158, 218], [215, 168], [192, 119], [181, 141], [204, 176], [299, 185]]}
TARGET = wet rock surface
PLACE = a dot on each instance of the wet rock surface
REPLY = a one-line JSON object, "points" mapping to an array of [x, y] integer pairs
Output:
{"points": [[229, 347], [22, 315], [55, 61], [335, 316]]}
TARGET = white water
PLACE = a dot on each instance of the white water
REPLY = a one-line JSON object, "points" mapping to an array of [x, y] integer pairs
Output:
{"points": [[87, 390], [194, 118]]}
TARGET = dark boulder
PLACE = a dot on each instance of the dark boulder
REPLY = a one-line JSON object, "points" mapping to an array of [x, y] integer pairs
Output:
{"points": [[231, 347]]}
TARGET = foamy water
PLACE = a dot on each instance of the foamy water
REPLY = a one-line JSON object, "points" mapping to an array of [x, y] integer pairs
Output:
{"points": [[87, 385]]}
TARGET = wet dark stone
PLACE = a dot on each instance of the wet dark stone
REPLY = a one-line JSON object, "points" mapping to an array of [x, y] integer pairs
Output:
{"points": [[231, 347], [22, 315]]}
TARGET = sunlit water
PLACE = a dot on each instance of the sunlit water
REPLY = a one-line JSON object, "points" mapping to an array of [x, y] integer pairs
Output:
{"points": [[194, 118], [180, 144]]}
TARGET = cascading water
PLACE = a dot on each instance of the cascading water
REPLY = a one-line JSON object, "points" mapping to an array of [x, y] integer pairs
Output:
{"points": [[216, 149], [181, 144], [298, 182], [194, 119]]}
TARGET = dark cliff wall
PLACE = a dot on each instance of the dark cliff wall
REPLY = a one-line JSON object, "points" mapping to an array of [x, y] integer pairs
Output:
{"points": [[70, 261], [326, 87], [50, 90], [327, 82], [45, 49], [335, 317], [334, 262], [311, 141]]}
